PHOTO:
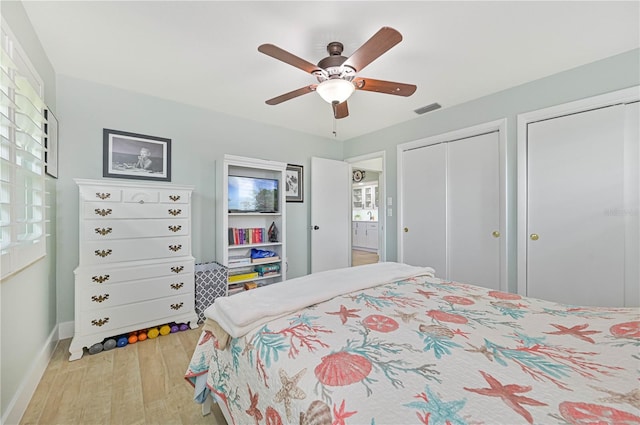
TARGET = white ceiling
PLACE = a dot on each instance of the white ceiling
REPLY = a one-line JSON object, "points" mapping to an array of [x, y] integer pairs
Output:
{"points": [[204, 53]]}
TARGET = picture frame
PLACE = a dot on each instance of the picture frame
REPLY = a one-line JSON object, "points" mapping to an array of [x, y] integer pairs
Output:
{"points": [[294, 183], [50, 144], [135, 156]]}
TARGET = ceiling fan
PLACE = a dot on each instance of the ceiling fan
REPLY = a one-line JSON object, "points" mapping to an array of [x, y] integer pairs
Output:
{"points": [[336, 74]]}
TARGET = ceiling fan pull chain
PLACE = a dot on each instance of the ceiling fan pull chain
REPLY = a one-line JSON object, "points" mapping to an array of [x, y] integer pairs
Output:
{"points": [[335, 127]]}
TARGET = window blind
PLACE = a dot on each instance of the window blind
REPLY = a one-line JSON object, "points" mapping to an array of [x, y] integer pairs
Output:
{"points": [[22, 182]]}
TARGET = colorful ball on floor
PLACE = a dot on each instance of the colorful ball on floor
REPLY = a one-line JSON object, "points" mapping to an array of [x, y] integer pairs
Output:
{"points": [[96, 348], [165, 330], [122, 341], [133, 338], [184, 326], [142, 335], [153, 333], [174, 328], [109, 344]]}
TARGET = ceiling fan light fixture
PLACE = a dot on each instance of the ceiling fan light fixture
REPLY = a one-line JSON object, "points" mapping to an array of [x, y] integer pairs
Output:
{"points": [[335, 90]]}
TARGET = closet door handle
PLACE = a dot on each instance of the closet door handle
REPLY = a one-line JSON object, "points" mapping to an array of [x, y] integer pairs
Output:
{"points": [[495, 234], [534, 237]]}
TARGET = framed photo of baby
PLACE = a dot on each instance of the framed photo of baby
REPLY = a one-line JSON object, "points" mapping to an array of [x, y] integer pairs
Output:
{"points": [[294, 183], [135, 156]]}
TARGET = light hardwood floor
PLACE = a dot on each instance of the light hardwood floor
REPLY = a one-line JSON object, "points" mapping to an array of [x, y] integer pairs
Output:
{"points": [[359, 257], [142, 383]]}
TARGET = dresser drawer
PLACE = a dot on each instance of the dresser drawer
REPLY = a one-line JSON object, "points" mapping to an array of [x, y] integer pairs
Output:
{"points": [[123, 229], [105, 210], [113, 251], [168, 196], [97, 297], [128, 315], [101, 194], [109, 274]]}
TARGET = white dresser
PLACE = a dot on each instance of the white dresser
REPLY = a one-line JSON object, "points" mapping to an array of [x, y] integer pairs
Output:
{"points": [[136, 270]]}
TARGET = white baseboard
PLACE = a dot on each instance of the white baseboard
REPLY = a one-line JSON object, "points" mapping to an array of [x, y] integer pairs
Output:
{"points": [[20, 401], [66, 330]]}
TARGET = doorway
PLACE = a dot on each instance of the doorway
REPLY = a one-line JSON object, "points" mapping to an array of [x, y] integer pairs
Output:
{"points": [[367, 209]]}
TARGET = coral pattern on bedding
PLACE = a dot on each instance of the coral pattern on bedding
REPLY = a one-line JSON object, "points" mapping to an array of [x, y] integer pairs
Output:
{"points": [[423, 350]]}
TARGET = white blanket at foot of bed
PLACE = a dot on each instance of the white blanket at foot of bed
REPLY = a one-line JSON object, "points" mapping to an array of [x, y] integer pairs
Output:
{"points": [[242, 312]]}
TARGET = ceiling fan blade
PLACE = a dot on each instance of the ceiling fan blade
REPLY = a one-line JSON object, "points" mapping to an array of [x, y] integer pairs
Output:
{"points": [[388, 87], [286, 57], [340, 110], [291, 94], [373, 48]]}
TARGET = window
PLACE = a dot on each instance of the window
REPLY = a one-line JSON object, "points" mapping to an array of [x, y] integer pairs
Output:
{"points": [[22, 183]]}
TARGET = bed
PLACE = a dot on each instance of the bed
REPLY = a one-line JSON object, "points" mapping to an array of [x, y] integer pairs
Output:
{"points": [[389, 343]]}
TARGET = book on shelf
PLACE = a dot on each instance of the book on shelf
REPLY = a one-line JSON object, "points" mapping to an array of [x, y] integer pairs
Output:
{"points": [[250, 285], [246, 235], [238, 260], [235, 291], [241, 270], [265, 269], [265, 259], [239, 277]]}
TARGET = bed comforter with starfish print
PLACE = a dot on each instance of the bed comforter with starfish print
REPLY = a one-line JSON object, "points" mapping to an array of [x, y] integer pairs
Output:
{"points": [[426, 351]]}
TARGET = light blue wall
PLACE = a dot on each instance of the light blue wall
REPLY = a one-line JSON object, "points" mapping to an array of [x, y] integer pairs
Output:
{"points": [[28, 298], [199, 138], [614, 73]]}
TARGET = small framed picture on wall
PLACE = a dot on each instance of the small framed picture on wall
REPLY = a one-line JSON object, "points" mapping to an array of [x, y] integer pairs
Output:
{"points": [[294, 183], [136, 156]]}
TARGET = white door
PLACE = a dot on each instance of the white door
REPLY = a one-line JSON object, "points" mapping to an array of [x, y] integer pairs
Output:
{"points": [[330, 214], [473, 210], [423, 209], [575, 189]]}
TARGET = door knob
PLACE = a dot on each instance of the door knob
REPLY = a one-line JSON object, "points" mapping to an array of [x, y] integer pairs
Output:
{"points": [[316, 227], [406, 229], [534, 237], [496, 234]]}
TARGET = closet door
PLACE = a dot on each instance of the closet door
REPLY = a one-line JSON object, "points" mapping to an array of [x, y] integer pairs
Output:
{"points": [[631, 210], [575, 179], [473, 210], [424, 207]]}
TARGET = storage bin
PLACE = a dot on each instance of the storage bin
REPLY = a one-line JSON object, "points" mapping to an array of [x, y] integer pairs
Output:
{"points": [[211, 283]]}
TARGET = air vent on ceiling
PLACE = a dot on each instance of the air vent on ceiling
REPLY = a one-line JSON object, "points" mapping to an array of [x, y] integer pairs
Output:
{"points": [[427, 108]]}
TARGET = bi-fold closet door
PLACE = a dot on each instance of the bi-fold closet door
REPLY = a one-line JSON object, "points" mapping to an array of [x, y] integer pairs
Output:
{"points": [[451, 208], [578, 221]]}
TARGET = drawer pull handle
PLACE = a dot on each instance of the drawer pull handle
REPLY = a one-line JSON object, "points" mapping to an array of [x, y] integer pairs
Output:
{"points": [[100, 322], [175, 228], [175, 248], [174, 198], [177, 286], [103, 196], [141, 201], [103, 212], [102, 253], [100, 279], [177, 269], [176, 306], [103, 231], [175, 212], [99, 298]]}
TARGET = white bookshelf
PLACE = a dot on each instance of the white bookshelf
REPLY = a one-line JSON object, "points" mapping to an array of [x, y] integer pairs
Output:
{"points": [[232, 165]]}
